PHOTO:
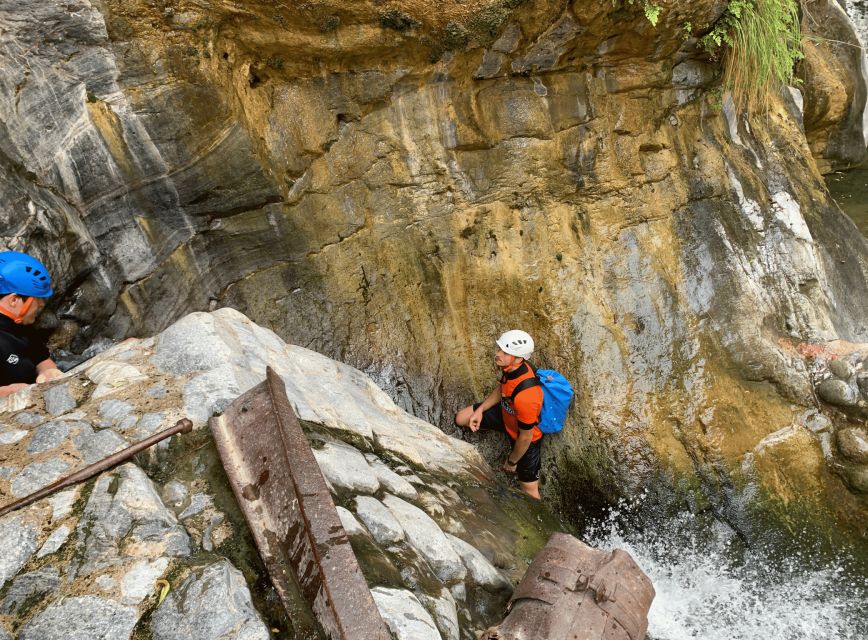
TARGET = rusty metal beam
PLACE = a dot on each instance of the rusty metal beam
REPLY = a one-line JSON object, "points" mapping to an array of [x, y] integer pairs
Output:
{"points": [[182, 426], [289, 509]]}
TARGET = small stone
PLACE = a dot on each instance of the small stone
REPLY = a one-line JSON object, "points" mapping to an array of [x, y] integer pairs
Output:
{"points": [[114, 410], [352, 526], [481, 571], [29, 588], [853, 444], [345, 468], [841, 369], [837, 392], [61, 503], [48, 437], [56, 540], [84, 618], [19, 545], [174, 492], [11, 437], [37, 475], [30, 419], [207, 535], [815, 421], [404, 614], [128, 423], [58, 399], [425, 536], [378, 520], [105, 582], [198, 503], [862, 383], [212, 604], [99, 445], [138, 583], [857, 479], [157, 391], [111, 376]]}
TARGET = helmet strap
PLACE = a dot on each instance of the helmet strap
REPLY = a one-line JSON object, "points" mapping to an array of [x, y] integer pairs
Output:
{"points": [[512, 366], [18, 317]]}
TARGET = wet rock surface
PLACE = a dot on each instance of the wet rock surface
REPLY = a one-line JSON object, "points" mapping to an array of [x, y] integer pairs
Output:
{"points": [[90, 562]]}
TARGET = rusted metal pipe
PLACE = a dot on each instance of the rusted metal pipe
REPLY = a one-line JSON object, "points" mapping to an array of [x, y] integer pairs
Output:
{"points": [[182, 426]]}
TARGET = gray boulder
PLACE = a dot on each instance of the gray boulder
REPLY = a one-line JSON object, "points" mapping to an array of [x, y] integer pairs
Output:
{"points": [[212, 604], [84, 618]]}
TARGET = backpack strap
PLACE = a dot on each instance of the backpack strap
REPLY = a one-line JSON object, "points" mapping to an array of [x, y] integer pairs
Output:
{"points": [[527, 383]]}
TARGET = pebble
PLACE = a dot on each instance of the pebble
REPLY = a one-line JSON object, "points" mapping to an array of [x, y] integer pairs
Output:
{"points": [[837, 392], [11, 437], [58, 399], [56, 540], [83, 618], [114, 410], [48, 437], [213, 603], [405, 616], [138, 583], [61, 503], [37, 475], [174, 492], [198, 503], [853, 444], [28, 418], [841, 369]]}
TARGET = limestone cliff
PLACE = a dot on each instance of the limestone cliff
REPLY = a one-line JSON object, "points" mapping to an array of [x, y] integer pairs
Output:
{"points": [[392, 183]]}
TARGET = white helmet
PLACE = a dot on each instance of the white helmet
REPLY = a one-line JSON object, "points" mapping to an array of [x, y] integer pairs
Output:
{"points": [[516, 343]]}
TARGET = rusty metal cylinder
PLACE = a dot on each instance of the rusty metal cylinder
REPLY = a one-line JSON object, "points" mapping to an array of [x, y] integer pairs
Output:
{"points": [[574, 592]]}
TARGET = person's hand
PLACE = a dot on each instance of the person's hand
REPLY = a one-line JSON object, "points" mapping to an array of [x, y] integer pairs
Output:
{"points": [[475, 420], [9, 389], [508, 467], [48, 374]]}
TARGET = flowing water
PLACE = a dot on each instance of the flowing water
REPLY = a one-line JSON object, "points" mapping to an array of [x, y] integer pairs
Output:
{"points": [[711, 586], [850, 191]]}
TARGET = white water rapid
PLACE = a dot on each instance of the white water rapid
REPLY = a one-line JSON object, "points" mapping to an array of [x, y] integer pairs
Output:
{"points": [[710, 586]]}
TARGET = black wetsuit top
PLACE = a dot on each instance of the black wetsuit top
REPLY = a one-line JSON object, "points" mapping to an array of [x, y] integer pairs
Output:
{"points": [[22, 347]]}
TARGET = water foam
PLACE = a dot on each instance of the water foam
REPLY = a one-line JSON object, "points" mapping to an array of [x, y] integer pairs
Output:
{"points": [[711, 586]]}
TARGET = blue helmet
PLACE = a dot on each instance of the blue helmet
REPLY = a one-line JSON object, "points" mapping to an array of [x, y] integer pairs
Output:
{"points": [[24, 275]]}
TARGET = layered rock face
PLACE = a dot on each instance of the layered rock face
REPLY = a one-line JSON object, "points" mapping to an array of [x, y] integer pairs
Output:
{"points": [[392, 184], [157, 547]]}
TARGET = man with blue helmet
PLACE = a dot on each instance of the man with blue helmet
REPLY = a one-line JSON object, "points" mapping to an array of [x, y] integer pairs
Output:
{"points": [[25, 287]]}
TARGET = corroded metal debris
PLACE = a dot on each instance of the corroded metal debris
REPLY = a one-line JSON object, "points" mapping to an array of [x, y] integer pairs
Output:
{"points": [[289, 509], [572, 591], [182, 426]]}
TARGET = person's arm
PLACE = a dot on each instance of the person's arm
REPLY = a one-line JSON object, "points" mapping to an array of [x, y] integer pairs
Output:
{"points": [[493, 399], [47, 370], [525, 436]]}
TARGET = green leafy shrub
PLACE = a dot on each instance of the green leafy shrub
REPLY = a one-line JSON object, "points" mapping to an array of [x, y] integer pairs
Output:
{"points": [[760, 42]]}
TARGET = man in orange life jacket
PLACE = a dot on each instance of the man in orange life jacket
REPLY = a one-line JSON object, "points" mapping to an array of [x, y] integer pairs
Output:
{"points": [[24, 289], [517, 417]]}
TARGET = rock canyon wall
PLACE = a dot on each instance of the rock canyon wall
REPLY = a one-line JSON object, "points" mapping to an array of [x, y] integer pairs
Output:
{"points": [[392, 183]]}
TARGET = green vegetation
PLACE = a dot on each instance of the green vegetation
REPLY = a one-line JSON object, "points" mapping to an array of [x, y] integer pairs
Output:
{"points": [[760, 42]]}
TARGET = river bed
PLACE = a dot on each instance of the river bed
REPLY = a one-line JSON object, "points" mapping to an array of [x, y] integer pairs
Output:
{"points": [[850, 191]]}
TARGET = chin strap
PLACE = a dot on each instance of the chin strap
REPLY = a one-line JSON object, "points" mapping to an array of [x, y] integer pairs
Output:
{"points": [[17, 318]]}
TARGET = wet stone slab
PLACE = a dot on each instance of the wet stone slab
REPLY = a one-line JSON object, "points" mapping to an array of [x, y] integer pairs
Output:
{"points": [[212, 604], [84, 618]]}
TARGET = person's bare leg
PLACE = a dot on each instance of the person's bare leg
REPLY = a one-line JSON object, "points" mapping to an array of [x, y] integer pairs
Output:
{"points": [[462, 418], [531, 489]]}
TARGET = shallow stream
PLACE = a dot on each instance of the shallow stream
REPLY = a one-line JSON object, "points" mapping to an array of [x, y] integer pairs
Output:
{"points": [[850, 191]]}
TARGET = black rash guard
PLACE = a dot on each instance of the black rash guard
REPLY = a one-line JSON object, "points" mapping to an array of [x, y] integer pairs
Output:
{"points": [[21, 349]]}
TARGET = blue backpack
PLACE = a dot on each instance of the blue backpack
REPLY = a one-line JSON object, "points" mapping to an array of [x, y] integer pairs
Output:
{"points": [[557, 397]]}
